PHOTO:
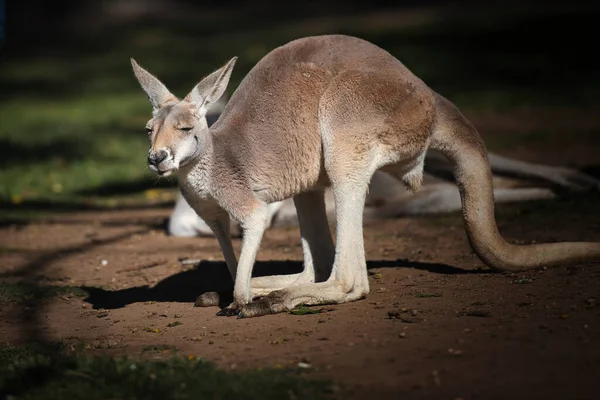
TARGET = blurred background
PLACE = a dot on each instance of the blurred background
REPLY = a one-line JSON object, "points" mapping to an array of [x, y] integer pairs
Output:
{"points": [[72, 115]]}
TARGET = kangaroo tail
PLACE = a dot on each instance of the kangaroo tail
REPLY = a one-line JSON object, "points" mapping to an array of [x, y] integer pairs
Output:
{"points": [[458, 140]]}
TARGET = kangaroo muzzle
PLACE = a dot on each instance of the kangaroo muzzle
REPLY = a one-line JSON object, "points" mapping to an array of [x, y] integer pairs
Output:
{"points": [[158, 159]]}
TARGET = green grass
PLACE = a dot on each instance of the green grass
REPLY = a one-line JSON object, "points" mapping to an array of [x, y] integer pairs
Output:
{"points": [[426, 295], [72, 130], [47, 372], [24, 292]]}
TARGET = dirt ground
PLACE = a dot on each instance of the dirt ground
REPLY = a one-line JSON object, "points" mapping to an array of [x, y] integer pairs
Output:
{"points": [[436, 324]]}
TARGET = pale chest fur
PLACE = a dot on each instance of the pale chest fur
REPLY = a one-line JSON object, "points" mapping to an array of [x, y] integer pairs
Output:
{"points": [[195, 186]]}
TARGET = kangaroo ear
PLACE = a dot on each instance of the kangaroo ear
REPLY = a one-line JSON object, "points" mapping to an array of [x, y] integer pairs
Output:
{"points": [[211, 88], [157, 93]]}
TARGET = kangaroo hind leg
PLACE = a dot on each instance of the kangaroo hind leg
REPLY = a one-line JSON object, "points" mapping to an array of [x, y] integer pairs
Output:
{"points": [[348, 280]]}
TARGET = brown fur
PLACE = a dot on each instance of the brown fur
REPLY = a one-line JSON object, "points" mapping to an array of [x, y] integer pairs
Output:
{"points": [[320, 111]]}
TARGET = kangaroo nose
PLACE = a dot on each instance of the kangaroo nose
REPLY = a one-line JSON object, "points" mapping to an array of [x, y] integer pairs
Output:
{"points": [[157, 157]]}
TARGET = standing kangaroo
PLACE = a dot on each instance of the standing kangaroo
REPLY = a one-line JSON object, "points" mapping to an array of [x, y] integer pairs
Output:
{"points": [[322, 111]]}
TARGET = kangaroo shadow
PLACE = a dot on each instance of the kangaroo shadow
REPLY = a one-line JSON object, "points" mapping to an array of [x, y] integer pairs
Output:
{"points": [[213, 276]]}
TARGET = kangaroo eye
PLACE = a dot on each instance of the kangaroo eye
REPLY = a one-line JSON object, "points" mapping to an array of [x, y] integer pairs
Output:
{"points": [[186, 128], [148, 130]]}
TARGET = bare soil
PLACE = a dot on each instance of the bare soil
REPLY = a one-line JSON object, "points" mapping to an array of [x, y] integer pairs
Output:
{"points": [[436, 325]]}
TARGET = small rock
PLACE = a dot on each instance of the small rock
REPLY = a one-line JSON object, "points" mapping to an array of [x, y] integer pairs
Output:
{"points": [[397, 314], [473, 313], [411, 320]]}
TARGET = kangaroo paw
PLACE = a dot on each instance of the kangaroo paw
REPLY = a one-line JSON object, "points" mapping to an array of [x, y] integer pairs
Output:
{"points": [[271, 304]]}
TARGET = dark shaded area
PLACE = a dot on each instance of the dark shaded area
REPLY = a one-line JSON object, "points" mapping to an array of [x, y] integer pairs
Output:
{"points": [[30, 315], [150, 223], [32, 293], [211, 276], [524, 53], [541, 53], [130, 187], [593, 170], [67, 206], [14, 153], [50, 371], [79, 30]]}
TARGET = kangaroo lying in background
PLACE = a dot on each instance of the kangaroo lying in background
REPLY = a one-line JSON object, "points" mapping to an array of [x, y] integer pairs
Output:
{"points": [[514, 181], [318, 112]]}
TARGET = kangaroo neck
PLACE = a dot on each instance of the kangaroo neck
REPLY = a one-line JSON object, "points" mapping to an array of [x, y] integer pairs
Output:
{"points": [[196, 176]]}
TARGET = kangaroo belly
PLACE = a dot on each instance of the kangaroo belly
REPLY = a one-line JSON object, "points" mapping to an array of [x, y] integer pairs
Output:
{"points": [[293, 165], [276, 136]]}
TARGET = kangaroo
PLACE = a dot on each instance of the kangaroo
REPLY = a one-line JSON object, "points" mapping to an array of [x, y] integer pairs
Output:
{"points": [[514, 181], [318, 112]]}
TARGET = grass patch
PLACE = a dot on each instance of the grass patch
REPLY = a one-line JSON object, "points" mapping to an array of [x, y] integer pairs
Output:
{"points": [[47, 372], [22, 292], [61, 148]]}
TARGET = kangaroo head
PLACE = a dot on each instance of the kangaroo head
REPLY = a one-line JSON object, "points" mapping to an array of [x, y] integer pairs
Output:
{"points": [[178, 130]]}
